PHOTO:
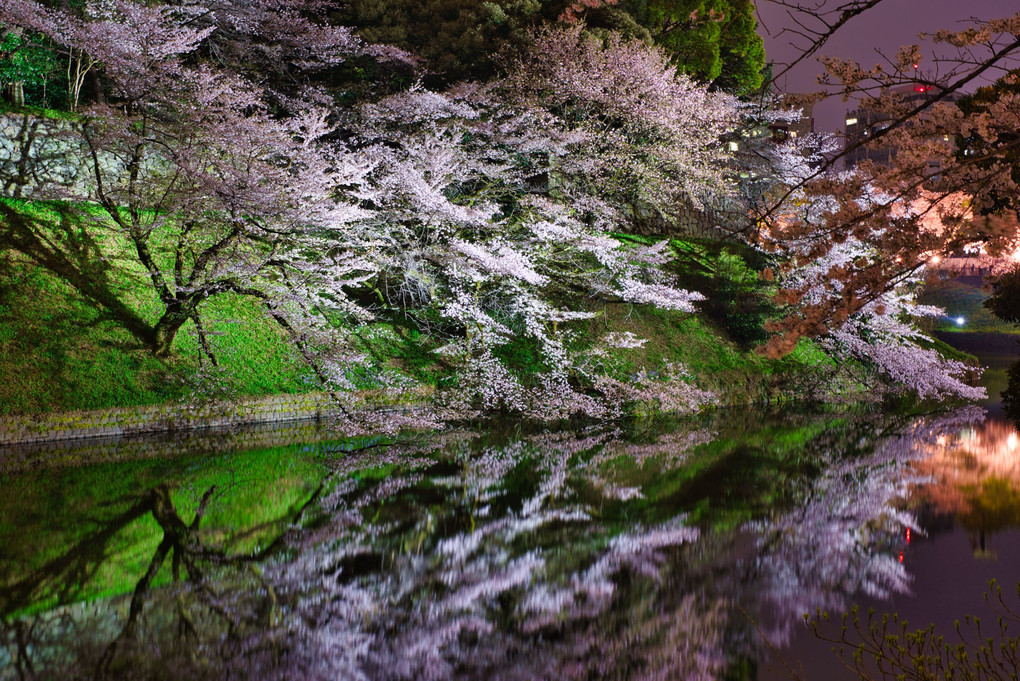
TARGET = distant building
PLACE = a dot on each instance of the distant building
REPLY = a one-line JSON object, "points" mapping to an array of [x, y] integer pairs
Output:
{"points": [[790, 123], [794, 128], [863, 123]]}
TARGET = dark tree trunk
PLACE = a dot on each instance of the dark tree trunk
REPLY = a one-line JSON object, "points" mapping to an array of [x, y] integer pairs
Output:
{"points": [[15, 93], [97, 88], [167, 327]]}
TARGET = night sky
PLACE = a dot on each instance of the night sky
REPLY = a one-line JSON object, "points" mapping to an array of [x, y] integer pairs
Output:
{"points": [[891, 24]]}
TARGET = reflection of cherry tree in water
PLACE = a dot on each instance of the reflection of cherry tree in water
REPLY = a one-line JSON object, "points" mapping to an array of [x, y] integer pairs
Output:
{"points": [[973, 475], [552, 555], [539, 586], [838, 542], [69, 573], [154, 628], [506, 554]]}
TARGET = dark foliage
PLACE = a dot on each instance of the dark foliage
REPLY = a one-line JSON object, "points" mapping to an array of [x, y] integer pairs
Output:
{"points": [[711, 40], [1004, 302], [1011, 395], [979, 149], [738, 300]]}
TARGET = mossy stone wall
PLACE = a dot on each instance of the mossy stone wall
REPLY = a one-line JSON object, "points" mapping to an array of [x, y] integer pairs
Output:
{"points": [[73, 425]]}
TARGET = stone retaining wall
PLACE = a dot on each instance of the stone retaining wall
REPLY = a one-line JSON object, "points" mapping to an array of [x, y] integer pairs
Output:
{"points": [[49, 154], [39, 152], [718, 218], [166, 418]]}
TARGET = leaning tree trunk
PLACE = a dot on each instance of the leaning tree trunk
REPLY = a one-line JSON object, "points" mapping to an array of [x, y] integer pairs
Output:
{"points": [[166, 329]]}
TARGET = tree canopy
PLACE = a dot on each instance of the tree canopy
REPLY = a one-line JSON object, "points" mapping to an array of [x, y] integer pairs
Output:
{"points": [[541, 167], [713, 41]]}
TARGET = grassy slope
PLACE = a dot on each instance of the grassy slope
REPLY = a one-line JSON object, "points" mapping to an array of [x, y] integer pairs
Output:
{"points": [[61, 354], [738, 376], [65, 356], [963, 298]]}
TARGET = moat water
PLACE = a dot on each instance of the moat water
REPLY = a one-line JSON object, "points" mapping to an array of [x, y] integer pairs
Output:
{"points": [[688, 549]]}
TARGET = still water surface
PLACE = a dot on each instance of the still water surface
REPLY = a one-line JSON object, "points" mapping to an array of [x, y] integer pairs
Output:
{"points": [[665, 551]]}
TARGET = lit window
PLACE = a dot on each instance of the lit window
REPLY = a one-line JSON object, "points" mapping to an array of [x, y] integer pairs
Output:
{"points": [[793, 133], [851, 121], [733, 146]]}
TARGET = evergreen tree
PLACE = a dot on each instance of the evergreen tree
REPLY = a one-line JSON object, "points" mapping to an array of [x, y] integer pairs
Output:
{"points": [[710, 40], [455, 39], [713, 41]]}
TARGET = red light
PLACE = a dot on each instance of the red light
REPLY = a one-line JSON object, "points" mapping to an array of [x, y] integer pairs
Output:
{"points": [[908, 535], [920, 88], [916, 65], [901, 556]]}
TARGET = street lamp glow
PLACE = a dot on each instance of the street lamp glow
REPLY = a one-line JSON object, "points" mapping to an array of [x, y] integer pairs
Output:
{"points": [[960, 321]]}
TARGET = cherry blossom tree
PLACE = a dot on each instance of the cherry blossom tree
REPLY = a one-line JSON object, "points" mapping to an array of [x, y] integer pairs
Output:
{"points": [[201, 187], [653, 136], [884, 332], [479, 214], [487, 204], [473, 238], [846, 289], [877, 206]]}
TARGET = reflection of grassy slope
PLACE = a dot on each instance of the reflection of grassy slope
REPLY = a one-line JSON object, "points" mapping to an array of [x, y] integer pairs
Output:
{"points": [[254, 491], [729, 481], [756, 468]]}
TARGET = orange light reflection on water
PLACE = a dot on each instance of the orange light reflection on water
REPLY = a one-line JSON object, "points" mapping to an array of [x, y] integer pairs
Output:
{"points": [[976, 476]]}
